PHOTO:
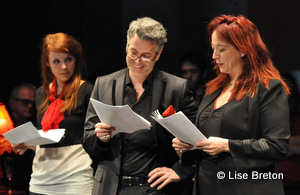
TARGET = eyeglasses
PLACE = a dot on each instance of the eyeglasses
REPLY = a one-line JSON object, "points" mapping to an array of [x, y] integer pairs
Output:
{"points": [[25, 102], [142, 58]]}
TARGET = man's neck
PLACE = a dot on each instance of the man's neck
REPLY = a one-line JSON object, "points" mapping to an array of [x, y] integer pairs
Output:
{"points": [[137, 81], [138, 85]]}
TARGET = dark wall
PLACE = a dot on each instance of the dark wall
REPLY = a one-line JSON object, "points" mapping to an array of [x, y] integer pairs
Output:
{"points": [[101, 28], [185, 22], [278, 22], [96, 24]]}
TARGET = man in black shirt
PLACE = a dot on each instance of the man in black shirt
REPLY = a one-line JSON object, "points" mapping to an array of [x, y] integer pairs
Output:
{"points": [[144, 161]]}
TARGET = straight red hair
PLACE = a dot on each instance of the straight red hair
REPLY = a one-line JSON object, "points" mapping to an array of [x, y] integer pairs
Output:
{"points": [[61, 42], [258, 66]]}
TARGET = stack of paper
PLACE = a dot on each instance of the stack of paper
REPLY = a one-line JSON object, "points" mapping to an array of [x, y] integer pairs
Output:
{"points": [[123, 118], [30, 136], [180, 126]]}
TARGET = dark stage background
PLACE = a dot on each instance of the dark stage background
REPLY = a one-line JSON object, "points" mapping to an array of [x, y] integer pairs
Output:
{"points": [[101, 28]]}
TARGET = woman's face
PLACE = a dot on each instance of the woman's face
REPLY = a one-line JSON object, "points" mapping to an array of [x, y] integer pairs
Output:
{"points": [[226, 56], [62, 66]]}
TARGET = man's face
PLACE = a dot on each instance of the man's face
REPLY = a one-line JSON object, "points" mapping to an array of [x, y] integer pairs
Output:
{"points": [[24, 105], [141, 48], [192, 73]]}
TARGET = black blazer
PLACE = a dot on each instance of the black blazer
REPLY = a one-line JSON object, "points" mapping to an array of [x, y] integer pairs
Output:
{"points": [[258, 132], [167, 90]]}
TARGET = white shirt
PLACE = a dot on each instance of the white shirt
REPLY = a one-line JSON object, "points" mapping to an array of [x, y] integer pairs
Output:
{"points": [[62, 170]]}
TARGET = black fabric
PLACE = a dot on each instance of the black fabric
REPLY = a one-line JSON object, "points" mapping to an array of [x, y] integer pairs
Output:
{"points": [[144, 189], [166, 90], [73, 123], [32, 193], [138, 151], [210, 120], [258, 132]]}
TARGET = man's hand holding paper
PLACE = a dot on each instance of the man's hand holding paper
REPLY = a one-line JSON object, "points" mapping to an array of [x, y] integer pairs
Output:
{"points": [[104, 131], [116, 119]]}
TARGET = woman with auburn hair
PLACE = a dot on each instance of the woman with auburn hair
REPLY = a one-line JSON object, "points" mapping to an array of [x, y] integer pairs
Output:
{"points": [[244, 114], [63, 167]]}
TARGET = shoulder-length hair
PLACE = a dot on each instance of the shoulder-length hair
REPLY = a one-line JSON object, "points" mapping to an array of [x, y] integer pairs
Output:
{"points": [[61, 42], [258, 66]]}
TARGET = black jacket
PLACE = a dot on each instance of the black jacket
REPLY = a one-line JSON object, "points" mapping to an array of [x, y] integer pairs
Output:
{"points": [[258, 133], [167, 90]]}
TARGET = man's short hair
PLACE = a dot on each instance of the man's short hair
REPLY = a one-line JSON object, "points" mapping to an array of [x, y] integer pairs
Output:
{"points": [[15, 92], [148, 29]]}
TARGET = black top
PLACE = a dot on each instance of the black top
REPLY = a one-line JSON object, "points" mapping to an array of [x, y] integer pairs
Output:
{"points": [[257, 129], [210, 119], [138, 153], [74, 122], [209, 123]]}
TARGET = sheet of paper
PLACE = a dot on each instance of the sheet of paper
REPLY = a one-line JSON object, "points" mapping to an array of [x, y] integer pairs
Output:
{"points": [[28, 134], [121, 117], [181, 127]]}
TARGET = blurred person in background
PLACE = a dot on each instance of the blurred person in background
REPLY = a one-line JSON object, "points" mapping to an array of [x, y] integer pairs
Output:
{"points": [[22, 104], [21, 110], [194, 69]]}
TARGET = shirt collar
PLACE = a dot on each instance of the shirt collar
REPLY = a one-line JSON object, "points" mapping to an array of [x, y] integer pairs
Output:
{"points": [[148, 81]]}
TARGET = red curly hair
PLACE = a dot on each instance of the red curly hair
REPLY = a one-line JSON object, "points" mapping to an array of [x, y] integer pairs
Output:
{"points": [[258, 66]]}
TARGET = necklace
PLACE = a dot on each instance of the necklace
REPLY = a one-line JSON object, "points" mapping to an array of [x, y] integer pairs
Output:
{"points": [[231, 86]]}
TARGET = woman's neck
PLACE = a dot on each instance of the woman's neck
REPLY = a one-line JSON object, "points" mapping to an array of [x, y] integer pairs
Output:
{"points": [[59, 87]]}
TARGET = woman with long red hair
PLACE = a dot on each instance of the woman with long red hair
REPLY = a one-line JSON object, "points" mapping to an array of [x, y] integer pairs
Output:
{"points": [[244, 114], [63, 167]]}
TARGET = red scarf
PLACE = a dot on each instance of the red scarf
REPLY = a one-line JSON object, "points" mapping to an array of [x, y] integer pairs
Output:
{"points": [[53, 116]]}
